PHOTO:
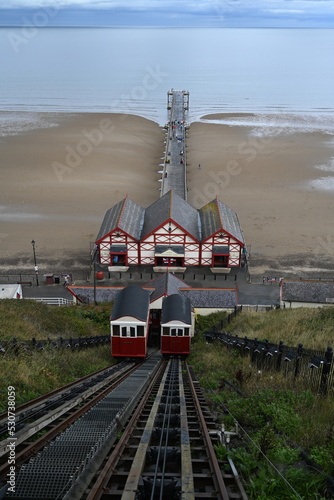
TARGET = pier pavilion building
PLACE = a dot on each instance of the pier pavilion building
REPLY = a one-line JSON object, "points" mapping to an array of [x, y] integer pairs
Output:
{"points": [[170, 235]]}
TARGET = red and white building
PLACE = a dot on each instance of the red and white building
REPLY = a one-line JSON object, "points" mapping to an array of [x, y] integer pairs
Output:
{"points": [[170, 235]]}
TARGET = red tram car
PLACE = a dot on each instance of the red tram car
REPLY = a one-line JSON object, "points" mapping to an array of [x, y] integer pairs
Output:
{"points": [[176, 326], [129, 323]]}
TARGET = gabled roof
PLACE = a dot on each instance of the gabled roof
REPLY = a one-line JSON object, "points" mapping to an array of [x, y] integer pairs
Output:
{"points": [[165, 284], [131, 301], [125, 215], [308, 291], [176, 308], [172, 206], [211, 297], [85, 294], [215, 217]]}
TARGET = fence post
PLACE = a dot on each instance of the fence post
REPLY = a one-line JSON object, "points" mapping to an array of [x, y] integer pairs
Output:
{"points": [[326, 370], [265, 350], [279, 355], [254, 354], [299, 355]]}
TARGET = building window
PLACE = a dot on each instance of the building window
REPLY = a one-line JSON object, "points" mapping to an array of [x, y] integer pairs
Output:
{"points": [[220, 260], [169, 261], [118, 259]]}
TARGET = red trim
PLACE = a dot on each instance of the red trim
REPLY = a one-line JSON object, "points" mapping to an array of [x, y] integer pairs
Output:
{"points": [[225, 232], [167, 221]]}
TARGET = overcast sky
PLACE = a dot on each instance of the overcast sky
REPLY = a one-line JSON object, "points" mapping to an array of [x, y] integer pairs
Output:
{"points": [[222, 13]]}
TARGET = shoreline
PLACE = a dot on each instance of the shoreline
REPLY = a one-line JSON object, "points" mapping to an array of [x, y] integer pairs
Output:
{"points": [[60, 180]]}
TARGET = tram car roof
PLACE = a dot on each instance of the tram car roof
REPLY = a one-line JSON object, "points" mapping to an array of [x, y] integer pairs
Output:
{"points": [[131, 301], [176, 307]]}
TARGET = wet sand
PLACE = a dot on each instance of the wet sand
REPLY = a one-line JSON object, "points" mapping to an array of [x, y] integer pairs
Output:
{"points": [[271, 182], [58, 182]]}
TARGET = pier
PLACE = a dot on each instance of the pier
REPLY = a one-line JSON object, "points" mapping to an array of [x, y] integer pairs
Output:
{"points": [[175, 160]]}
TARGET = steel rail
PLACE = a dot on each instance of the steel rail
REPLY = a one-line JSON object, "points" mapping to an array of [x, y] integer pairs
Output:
{"points": [[138, 463], [36, 446], [105, 474], [165, 425], [44, 397], [220, 486]]}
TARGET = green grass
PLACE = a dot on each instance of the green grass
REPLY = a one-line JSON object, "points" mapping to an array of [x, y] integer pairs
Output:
{"points": [[277, 413], [35, 373], [314, 328], [25, 319]]}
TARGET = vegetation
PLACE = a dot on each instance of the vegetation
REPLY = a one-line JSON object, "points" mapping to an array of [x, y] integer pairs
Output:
{"points": [[314, 328], [25, 319], [34, 373], [278, 417]]}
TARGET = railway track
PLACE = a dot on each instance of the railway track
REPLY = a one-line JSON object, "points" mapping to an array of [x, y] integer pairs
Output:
{"points": [[166, 451], [146, 438], [51, 413]]}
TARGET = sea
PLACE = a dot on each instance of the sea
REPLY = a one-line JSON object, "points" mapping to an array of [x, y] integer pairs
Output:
{"points": [[284, 72]]}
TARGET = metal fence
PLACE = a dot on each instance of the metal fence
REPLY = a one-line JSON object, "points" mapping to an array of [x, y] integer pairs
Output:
{"points": [[18, 347], [315, 368]]}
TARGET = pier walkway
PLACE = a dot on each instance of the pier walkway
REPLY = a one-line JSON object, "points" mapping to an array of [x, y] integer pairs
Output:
{"points": [[175, 161]]}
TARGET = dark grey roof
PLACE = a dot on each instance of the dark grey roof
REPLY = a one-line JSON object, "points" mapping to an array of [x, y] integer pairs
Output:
{"points": [[172, 206], [165, 284], [131, 301], [86, 293], [176, 308], [211, 297], [215, 216], [125, 215], [307, 291]]}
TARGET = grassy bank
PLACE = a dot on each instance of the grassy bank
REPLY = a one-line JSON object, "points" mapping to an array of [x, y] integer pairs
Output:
{"points": [[24, 319], [314, 328], [277, 416], [35, 373]]}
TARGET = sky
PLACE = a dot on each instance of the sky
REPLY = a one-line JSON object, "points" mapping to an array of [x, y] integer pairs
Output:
{"points": [[169, 13]]}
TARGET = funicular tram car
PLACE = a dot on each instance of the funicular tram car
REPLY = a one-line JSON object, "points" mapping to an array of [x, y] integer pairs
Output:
{"points": [[129, 323], [176, 326]]}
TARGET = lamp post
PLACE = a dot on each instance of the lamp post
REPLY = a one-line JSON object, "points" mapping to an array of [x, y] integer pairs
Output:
{"points": [[36, 266]]}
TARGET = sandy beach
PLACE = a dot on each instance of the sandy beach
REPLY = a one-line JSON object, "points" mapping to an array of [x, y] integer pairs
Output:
{"points": [[279, 183], [57, 183]]}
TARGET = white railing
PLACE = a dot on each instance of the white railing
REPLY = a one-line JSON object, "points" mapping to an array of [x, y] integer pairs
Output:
{"points": [[53, 301]]}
